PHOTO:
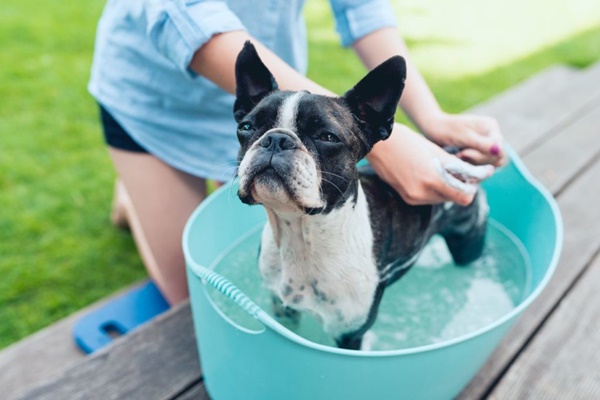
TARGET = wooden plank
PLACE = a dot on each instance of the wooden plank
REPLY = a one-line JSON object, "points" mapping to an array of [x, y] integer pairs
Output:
{"points": [[156, 361], [578, 204], [555, 169], [38, 358], [562, 361], [196, 392], [561, 157], [45, 354], [541, 105]]}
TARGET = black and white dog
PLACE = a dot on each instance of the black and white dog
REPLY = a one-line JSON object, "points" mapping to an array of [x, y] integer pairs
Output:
{"points": [[336, 236]]}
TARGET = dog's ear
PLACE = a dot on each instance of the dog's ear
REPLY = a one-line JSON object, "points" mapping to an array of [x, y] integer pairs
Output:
{"points": [[374, 99], [253, 81]]}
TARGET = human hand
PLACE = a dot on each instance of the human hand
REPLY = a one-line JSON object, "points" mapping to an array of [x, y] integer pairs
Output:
{"points": [[422, 173], [478, 137]]}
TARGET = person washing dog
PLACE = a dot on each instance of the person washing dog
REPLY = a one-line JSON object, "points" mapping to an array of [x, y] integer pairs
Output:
{"points": [[163, 74]]}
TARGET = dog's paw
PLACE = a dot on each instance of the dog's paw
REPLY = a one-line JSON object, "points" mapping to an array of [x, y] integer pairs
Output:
{"points": [[369, 339]]}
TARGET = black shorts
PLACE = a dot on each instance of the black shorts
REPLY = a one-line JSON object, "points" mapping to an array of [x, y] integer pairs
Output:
{"points": [[115, 136]]}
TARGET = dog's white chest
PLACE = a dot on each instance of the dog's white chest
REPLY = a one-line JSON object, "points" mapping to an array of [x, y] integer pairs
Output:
{"points": [[324, 264]]}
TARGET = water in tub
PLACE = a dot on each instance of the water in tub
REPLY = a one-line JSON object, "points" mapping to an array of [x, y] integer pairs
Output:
{"points": [[434, 302]]}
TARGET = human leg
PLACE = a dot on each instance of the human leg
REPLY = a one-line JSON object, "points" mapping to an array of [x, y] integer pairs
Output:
{"points": [[156, 200]]}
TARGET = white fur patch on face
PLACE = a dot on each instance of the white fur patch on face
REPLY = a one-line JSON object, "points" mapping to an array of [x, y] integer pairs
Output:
{"points": [[244, 169], [286, 118]]}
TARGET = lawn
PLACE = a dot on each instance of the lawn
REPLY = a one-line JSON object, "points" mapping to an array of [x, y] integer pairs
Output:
{"points": [[58, 251]]}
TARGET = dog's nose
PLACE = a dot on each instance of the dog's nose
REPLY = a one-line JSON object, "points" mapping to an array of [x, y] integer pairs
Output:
{"points": [[277, 142]]}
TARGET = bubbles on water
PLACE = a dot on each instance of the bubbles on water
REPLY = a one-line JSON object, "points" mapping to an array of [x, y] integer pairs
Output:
{"points": [[486, 302], [434, 302]]}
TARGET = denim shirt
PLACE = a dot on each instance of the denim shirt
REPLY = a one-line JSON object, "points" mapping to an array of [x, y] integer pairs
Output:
{"points": [[140, 69]]}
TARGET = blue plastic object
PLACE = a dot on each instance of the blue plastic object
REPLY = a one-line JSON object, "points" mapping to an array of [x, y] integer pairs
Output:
{"points": [[275, 363], [119, 316]]}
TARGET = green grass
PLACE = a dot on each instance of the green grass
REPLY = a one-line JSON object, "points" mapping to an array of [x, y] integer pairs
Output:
{"points": [[463, 62], [58, 251]]}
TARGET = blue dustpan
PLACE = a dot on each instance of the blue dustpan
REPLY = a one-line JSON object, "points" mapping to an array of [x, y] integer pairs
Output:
{"points": [[274, 363]]}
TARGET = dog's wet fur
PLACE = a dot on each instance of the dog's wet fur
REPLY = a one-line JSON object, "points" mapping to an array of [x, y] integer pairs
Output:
{"points": [[337, 235]]}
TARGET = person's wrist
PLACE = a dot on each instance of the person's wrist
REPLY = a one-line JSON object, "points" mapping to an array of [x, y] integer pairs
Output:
{"points": [[428, 123], [433, 126]]}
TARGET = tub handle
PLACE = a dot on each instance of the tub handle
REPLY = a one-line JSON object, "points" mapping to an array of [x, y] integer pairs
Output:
{"points": [[224, 286]]}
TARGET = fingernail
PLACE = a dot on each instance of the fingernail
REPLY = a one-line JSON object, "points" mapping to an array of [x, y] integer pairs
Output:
{"points": [[495, 150]]}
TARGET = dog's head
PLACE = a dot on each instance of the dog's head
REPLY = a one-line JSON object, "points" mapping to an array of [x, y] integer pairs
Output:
{"points": [[299, 150]]}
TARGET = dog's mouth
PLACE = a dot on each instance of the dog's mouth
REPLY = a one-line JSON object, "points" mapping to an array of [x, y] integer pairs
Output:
{"points": [[265, 185], [280, 185], [266, 178]]}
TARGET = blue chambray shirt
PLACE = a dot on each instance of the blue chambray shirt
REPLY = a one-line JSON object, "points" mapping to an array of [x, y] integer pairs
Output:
{"points": [[140, 69]]}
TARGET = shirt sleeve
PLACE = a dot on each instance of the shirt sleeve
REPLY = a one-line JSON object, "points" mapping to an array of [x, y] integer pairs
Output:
{"points": [[357, 18], [178, 28]]}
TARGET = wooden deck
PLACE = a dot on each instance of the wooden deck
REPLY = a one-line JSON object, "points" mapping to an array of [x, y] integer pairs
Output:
{"points": [[553, 121]]}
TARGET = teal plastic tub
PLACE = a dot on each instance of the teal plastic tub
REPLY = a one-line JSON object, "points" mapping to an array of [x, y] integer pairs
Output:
{"points": [[274, 363]]}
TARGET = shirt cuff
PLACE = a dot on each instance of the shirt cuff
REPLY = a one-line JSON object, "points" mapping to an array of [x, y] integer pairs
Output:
{"points": [[178, 29], [353, 21]]}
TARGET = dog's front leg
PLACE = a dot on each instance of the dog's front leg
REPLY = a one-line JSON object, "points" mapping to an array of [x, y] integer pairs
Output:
{"points": [[350, 341], [269, 262], [288, 317]]}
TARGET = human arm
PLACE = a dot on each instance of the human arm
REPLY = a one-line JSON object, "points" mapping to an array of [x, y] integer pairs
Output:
{"points": [[205, 38], [216, 61], [478, 136], [421, 172]]}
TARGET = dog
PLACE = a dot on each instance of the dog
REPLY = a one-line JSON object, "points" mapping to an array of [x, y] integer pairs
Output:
{"points": [[336, 235]]}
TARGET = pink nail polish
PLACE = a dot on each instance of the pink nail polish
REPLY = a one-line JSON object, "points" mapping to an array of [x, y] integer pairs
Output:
{"points": [[495, 150]]}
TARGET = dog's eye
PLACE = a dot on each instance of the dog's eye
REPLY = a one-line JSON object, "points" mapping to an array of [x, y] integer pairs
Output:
{"points": [[244, 132], [328, 137], [245, 127]]}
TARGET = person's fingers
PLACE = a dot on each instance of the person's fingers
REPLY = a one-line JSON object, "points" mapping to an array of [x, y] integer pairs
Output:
{"points": [[423, 197], [466, 172], [450, 189], [451, 186], [476, 157], [431, 197], [459, 180], [472, 156], [486, 145], [486, 126], [489, 127]]}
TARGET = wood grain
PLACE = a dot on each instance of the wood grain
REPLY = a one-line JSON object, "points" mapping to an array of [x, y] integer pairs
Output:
{"points": [[561, 157], [581, 214], [196, 392], [155, 362], [543, 105], [562, 362]]}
